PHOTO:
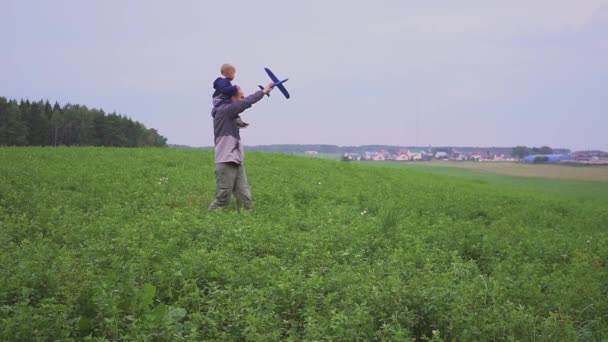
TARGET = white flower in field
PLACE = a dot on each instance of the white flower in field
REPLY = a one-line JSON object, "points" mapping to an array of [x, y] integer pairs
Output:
{"points": [[364, 212]]}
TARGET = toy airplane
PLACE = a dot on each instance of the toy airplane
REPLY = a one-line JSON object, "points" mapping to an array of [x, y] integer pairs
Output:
{"points": [[277, 83]]}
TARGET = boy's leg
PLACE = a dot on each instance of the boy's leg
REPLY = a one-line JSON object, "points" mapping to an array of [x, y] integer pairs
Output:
{"points": [[242, 190], [225, 175], [240, 123]]}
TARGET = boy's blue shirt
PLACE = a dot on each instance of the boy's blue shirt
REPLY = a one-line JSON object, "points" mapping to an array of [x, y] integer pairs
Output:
{"points": [[223, 86]]}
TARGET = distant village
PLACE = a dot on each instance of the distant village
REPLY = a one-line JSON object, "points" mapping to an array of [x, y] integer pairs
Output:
{"points": [[537, 155], [453, 154]]}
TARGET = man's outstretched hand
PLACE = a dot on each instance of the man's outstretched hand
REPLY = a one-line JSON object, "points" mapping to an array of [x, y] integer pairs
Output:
{"points": [[268, 88]]}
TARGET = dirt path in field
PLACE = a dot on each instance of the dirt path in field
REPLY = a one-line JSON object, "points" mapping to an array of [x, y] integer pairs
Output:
{"points": [[588, 173]]}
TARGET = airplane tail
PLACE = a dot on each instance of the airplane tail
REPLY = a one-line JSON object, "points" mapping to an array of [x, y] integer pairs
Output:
{"points": [[262, 88]]}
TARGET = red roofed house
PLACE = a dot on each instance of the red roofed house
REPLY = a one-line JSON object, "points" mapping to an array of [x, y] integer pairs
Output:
{"points": [[378, 157]]}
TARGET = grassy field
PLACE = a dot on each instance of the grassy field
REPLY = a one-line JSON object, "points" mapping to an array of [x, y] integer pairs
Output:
{"points": [[579, 182], [116, 244], [331, 156], [584, 173]]}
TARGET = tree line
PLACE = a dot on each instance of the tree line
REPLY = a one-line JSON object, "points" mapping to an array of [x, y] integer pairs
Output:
{"points": [[39, 123], [524, 151]]}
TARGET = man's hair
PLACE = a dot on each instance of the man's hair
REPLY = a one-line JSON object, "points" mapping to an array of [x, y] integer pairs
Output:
{"points": [[239, 95], [226, 68]]}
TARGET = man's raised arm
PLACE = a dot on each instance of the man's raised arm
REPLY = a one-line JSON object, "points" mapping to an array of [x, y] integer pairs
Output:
{"points": [[238, 106]]}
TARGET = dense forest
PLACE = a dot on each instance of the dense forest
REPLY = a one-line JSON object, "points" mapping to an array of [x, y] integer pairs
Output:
{"points": [[39, 123]]}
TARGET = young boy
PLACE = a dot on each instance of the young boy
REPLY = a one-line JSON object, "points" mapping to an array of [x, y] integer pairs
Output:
{"points": [[224, 89]]}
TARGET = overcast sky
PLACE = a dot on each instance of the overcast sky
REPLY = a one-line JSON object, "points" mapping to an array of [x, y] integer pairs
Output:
{"points": [[460, 73]]}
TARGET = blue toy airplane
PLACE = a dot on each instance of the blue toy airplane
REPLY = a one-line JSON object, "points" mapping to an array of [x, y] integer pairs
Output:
{"points": [[277, 83]]}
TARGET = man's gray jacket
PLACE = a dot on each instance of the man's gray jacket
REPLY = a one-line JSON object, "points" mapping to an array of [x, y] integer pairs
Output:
{"points": [[228, 147]]}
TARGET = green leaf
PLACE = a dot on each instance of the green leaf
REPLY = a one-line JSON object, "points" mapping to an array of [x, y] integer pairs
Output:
{"points": [[147, 295], [177, 313], [158, 314], [85, 324]]}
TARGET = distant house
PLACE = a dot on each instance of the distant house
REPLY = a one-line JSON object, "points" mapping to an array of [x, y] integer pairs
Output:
{"points": [[590, 155], [441, 155], [416, 156], [378, 157], [311, 153], [503, 157], [351, 156], [402, 157], [481, 156]]}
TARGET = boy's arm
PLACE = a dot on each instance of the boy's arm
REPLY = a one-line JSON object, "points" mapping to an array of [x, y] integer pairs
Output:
{"points": [[225, 87]]}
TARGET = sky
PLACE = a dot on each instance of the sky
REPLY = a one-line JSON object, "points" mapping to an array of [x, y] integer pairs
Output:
{"points": [[394, 72]]}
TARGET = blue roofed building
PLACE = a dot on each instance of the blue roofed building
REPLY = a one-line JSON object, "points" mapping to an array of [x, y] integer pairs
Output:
{"points": [[548, 158]]}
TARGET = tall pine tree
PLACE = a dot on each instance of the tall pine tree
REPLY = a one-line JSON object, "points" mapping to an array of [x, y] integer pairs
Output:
{"points": [[13, 129]]}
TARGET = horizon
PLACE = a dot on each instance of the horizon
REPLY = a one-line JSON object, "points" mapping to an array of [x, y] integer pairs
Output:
{"points": [[398, 73], [387, 146]]}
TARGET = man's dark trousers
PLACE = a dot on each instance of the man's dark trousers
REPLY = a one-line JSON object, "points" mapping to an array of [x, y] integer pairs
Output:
{"points": [[231, 178]]}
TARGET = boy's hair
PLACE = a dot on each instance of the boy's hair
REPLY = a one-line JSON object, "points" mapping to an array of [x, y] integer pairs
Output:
{"points": [[226, 68]]}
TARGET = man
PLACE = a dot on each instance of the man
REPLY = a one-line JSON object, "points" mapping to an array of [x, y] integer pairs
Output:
{"points": [[229, 152]]}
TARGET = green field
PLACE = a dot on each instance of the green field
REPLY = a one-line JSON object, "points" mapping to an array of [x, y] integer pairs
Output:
{"points": [[332, 156], [117, 244], [580, 189], [597, 173]]}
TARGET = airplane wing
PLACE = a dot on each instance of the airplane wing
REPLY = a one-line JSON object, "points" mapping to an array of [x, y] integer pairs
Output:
{"points": [[283, 90], [271, 75]]}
